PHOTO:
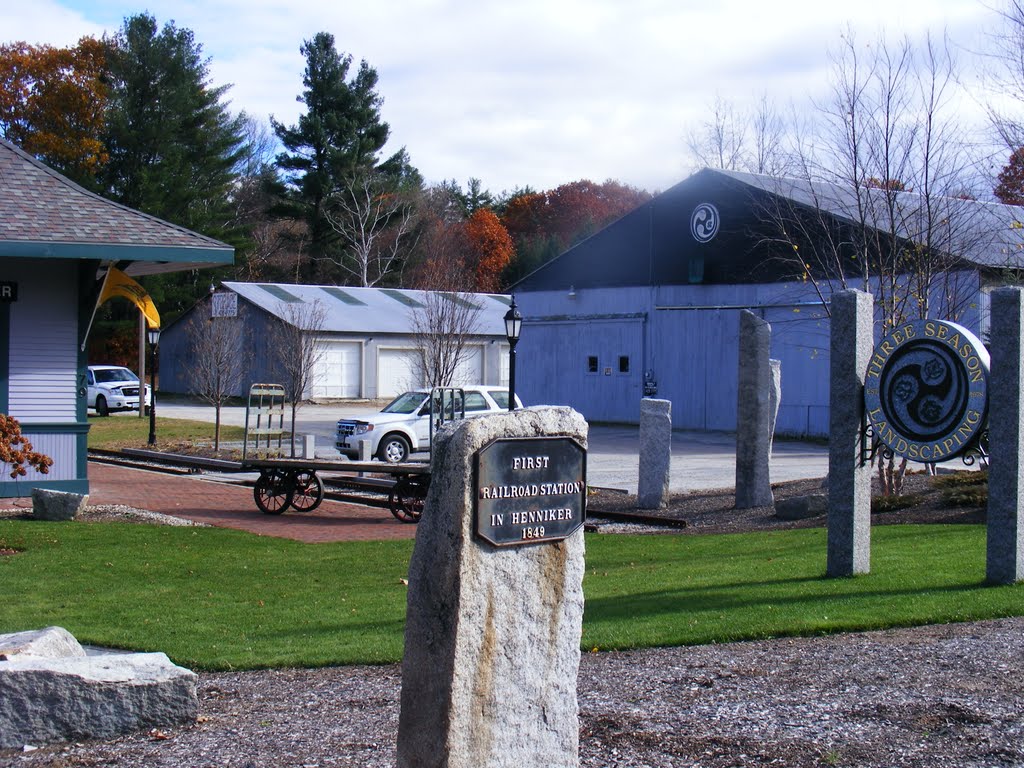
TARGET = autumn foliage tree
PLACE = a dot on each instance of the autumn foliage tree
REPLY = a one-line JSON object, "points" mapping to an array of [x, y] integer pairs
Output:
{"points": [[52, 103], [491, 247], [543, 224], [1010, 189]]}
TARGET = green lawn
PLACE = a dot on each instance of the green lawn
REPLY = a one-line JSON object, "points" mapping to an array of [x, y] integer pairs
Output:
{"points": [[221, 599], [129, 431]]}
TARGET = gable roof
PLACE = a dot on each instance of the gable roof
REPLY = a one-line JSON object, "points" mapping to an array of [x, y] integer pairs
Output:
{"points": [[656, 243], [46, 215], [367, 310]]}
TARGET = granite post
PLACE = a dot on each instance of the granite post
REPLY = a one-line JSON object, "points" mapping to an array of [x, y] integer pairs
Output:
{"points": [[492, 635], [755, 415], [1005, 548], [849, 476], [655, 453]]}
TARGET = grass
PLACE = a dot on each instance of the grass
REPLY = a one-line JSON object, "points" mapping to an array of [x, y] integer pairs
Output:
{"points": [[220, 599], [129, 431]]}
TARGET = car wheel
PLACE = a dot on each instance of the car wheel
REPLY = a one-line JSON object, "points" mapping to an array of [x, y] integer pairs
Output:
{"points": [[393, 449], [101, 406]]}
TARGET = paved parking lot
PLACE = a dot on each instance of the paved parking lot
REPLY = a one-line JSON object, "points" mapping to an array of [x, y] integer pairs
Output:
{"points": [[700, 460]]}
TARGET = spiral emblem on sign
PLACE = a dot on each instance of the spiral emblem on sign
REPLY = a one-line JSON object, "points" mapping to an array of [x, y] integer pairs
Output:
{"points": [[704, 222], [926, 390]]}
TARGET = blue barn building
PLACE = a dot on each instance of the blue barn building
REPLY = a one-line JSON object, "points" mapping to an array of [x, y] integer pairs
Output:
{"points": [[650, 304]]}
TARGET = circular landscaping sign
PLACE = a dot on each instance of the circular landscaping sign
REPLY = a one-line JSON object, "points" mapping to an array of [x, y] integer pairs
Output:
{"points": [[926, 391]]}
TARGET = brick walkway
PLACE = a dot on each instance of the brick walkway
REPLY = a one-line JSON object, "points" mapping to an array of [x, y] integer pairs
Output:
{"points": [[232, 506]]}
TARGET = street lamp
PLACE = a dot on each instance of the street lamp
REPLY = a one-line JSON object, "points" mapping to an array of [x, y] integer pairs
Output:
{"points": [[513, 325], [154, 342]]}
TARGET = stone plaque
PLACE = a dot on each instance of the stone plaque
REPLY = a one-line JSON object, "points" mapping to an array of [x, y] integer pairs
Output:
{"points": [[926, 390], [530, 490]]}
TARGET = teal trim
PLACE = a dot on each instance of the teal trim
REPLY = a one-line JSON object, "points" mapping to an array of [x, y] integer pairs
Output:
{"points": [[5, 357], [82, 464], [342, 296], [280, 293], [23, 489], [55, 428], [175, 254], [88, 293], [502, 298]]}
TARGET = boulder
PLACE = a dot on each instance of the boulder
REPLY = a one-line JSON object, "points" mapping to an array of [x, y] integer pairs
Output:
{"points": [[53, 642], [57, 505], [802, 507], [47, 698]]}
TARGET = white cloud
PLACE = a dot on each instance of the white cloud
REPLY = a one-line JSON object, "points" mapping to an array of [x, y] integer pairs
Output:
{"points": [[534, 92]]}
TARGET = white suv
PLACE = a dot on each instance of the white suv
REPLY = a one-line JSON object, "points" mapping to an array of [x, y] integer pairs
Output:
{"points": [[403, 425], [113, 388]]}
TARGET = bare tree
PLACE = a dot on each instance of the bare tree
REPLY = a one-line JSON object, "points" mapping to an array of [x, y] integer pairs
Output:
{"points": [[216, 364], [882, 201], [298, 347], [734, 139], [446, 322], [374, 220]]}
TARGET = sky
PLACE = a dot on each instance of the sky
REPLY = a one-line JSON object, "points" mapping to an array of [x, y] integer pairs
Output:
{"points": [[531, 92]]}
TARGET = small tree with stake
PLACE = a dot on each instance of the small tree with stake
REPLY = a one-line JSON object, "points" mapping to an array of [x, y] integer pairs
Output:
{"points": [[216, 369], [298, 348]]}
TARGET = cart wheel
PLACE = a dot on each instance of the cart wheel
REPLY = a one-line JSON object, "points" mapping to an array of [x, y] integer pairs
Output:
{"points": [[273, 492], [309, 491], [406, 501]]}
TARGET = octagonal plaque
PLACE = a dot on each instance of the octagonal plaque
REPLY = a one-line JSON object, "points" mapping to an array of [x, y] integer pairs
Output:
{"points": [[530, 489]]}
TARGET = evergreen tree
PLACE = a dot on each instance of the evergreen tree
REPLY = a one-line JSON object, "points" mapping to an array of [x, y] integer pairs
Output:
{"points": [[173, 145], [333, 151]]}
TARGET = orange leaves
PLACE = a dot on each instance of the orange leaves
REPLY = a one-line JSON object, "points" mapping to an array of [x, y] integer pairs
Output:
{"points": [[492, 248], [16, 451], [52, 102]]}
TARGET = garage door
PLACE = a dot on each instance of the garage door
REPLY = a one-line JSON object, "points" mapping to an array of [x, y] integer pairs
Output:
{"points": [[339, 371], [397, 371], [471, 366]]}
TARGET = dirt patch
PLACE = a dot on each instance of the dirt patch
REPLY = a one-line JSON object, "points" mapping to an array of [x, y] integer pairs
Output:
{"points": [[707, 512]]}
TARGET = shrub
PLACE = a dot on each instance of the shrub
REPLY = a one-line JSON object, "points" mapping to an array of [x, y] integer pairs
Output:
{"points": [[17, 452]]}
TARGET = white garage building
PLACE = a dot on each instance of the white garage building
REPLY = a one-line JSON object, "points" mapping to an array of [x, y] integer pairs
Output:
{"points": [[368, 336]]}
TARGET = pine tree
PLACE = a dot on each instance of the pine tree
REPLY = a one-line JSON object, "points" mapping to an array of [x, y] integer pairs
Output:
{"points": [[333, 152], [173, 144]]}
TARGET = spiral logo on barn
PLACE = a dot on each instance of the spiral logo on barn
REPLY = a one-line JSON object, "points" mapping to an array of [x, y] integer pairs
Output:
{"points": [[926, 391], [704, 222]]}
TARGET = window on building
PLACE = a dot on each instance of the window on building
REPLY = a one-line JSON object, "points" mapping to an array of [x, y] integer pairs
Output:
{"points": [[623, 363], [592, 364]]}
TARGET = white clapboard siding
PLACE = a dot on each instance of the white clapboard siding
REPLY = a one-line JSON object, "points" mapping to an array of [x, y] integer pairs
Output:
{"points": [[62, 448], [43, 362]]}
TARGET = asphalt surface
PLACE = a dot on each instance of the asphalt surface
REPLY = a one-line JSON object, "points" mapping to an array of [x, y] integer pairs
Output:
{"points": [[700, 460]]}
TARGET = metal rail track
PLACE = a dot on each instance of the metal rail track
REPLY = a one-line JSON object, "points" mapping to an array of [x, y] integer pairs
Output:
{"points": [[371, 492]]}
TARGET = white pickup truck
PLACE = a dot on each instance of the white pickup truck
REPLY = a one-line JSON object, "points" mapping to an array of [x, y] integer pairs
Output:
{"points": [[403, 426]]}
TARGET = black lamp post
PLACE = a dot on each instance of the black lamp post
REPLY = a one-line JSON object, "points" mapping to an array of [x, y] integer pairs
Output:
{"points": [[513, 325], [154, 342]]}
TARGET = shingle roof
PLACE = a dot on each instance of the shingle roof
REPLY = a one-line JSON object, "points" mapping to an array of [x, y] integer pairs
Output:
{"points": [[367, 310], [45, 215]]}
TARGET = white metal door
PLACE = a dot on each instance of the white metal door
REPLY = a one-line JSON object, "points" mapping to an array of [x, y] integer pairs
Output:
{"points": [[338, 373], [397, 371], [470, 369]]}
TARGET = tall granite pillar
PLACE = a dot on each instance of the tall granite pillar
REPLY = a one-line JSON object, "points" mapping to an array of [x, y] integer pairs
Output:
{"points": [[849, 477], [653, 478], [492, 634], [756, 410], [1005, 550]]}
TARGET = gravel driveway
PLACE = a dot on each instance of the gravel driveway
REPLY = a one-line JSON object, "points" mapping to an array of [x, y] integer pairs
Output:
{"points": [[947, 696]]}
